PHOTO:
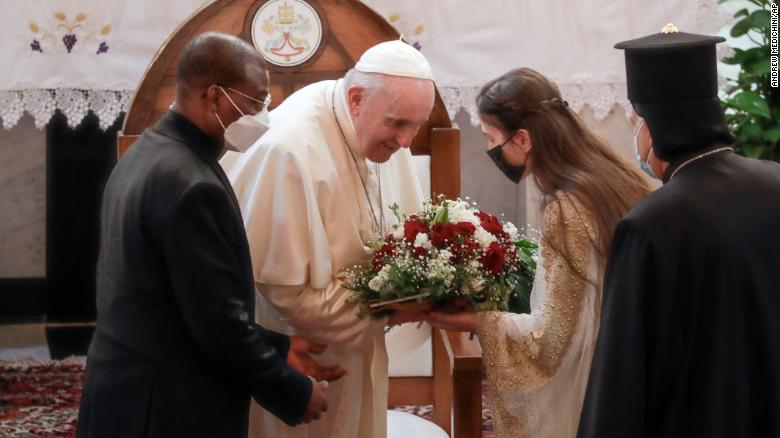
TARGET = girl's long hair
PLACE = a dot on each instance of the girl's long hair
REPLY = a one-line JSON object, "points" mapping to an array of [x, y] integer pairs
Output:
{"points": [[566, 155]]}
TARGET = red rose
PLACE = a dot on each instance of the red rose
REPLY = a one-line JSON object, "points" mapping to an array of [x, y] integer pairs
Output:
{"points": [[443, 234], [457, 252], [493, 260], [464, 250], [470, 245], [414, 226], [466, 228], [386, 251], [420, 252], [491, 224]]}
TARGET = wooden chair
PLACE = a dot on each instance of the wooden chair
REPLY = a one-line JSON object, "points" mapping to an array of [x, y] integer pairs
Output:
{"points": [[348, 29]]}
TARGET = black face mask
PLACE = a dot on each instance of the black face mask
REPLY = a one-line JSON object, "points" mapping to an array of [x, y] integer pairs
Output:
{"points": [[514, 173]]}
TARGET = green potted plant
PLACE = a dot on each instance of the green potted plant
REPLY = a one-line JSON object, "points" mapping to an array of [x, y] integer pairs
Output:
{"points": [[752, 105]]}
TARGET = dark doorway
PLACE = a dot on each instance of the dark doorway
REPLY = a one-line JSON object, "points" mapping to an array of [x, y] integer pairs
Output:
{"points": [[78, 163]]}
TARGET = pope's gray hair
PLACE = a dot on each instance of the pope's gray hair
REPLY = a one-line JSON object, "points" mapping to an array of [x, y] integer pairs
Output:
{"points": [[370, 82]]}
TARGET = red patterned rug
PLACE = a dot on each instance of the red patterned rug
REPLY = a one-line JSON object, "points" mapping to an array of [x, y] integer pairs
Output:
{"points": [[41, 399]]}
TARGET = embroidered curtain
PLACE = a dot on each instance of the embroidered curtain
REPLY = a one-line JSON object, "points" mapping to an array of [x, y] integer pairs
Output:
{"points": [[82, 55]]}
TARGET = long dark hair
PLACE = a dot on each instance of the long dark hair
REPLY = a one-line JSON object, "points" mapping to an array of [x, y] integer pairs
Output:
{"points": [[566, 156]]}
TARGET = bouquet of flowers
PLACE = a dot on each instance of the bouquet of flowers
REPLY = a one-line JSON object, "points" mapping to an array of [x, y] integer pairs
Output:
{"points": [[448, 255]]}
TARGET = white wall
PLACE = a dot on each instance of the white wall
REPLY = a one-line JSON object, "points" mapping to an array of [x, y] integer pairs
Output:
{"points": [[22, 201]]}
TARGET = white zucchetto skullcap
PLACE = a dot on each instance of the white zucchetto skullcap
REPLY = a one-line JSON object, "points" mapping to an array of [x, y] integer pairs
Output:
{"points": [[395, 58]]}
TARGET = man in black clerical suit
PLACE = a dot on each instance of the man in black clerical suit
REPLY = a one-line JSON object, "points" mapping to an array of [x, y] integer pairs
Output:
{"points": [[176, 352], [689, 344]]}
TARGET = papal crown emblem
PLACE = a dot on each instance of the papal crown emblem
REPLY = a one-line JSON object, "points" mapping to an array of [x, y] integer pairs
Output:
{"points": [[285, 14]]}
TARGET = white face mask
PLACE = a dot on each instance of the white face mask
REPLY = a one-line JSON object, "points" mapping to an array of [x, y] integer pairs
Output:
{"points": [[244, 132], [644, 165]]}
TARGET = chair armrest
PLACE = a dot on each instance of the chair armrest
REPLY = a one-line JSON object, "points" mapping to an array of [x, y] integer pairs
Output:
{"points": [[465, 358], [464, 352]]}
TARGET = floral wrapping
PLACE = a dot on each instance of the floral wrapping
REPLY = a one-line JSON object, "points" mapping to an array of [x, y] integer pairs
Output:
{"points": [[448, 253]]}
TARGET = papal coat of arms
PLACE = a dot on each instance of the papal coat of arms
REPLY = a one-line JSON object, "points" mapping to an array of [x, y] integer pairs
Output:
{"points": [[287, 32]]}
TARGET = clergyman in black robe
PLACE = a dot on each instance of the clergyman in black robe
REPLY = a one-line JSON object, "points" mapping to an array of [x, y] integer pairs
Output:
{"points": [[176, 352], [689, 343]]}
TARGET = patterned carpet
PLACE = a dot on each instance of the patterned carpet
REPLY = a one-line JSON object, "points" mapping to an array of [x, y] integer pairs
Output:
{"points": [[41, 399]]}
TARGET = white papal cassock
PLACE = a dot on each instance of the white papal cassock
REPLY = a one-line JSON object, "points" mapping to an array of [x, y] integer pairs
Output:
{"points": [[307, 219]]}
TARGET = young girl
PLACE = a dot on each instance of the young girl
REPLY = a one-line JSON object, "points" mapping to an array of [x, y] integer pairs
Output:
{"points": [[538, 364]]}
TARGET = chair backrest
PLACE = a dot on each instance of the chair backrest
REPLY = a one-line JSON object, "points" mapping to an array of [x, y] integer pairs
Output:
{"points": [[348, 28]]}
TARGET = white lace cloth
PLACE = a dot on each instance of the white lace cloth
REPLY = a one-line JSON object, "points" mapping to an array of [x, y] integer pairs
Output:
{"points": [[601, 97], [82, 55], [78, 56], [75, 104], [469, 44]]}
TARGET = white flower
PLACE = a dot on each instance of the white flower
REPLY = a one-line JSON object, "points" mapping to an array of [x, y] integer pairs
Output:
{"points": [[477, 284], [384, 274], [421, 241], [483, 237], [376, 283], [457, 205], [445, 255], [398, 233], [460, 211], [443, 272], [440, 269], [510, 229]]}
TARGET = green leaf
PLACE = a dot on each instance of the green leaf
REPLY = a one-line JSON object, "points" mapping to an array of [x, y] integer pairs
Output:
{"points": [[752, 103], [761, 67], [441, 215], [753, 151], [731, 60], [772, 135], [760, 19], [736, 58], [742, 13], [776, 115], [526, 244], [750, 55], [750, 132], [741, 27]]}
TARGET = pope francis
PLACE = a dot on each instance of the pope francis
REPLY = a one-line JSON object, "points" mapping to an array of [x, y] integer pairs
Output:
{"points": [[313, 191]]}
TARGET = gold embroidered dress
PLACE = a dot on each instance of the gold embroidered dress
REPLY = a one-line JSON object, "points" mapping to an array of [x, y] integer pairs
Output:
{"points": [[538, 364]]}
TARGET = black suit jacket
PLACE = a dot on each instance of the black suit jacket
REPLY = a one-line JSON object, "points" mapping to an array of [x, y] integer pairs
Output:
{"points": [[689, 344], [176, 351]]}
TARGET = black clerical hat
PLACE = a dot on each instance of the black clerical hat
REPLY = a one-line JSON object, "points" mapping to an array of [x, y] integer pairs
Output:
{"points": [[672, 81]]}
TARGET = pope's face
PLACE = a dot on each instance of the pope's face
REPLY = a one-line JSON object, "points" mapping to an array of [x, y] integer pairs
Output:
{"points": [[387, 118]]}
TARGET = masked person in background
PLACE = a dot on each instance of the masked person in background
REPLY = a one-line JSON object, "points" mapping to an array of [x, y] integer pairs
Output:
{"points": [[643, 146], [690, 336]]}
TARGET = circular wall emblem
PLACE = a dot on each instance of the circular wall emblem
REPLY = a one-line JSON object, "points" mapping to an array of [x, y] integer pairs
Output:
{"points": [[286, 32]]}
